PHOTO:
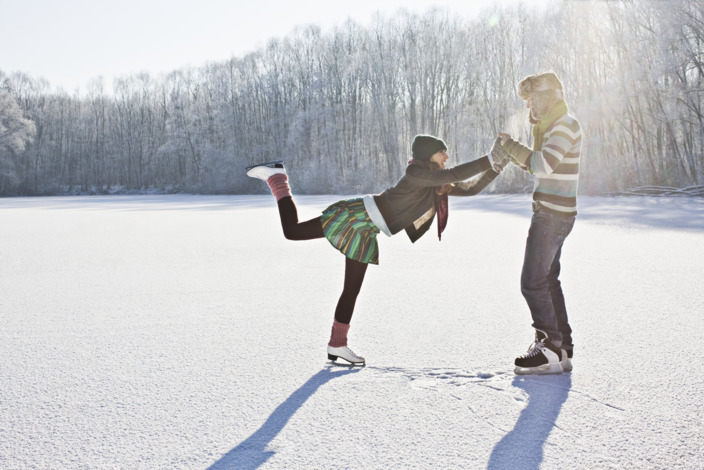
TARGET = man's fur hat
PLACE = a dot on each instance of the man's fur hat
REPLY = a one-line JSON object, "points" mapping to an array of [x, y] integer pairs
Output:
{"points": [[539, 82]]}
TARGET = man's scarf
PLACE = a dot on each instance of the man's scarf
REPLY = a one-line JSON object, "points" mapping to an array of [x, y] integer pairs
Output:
{"points": [[544, 124], [442, 206]]}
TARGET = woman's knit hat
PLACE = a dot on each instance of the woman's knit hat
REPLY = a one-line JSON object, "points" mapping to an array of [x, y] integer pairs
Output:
{"points": [[425, 146]]}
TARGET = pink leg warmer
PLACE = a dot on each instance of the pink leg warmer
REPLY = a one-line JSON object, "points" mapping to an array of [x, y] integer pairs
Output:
{"points": [[279, 186], [338, 337]]}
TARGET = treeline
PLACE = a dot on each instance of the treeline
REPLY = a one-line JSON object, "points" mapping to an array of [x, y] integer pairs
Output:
{"points": [[342, 106]]}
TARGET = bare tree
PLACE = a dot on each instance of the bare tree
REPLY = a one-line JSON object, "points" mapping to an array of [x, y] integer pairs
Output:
{"points": [[342, 106], [15, 133]]}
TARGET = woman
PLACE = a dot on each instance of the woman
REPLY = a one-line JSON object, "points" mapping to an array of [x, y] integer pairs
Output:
{"points": [[352, 225]]}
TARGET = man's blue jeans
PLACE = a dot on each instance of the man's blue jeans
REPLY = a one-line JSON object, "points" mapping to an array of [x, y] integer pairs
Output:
{"points": [[539, 279]]}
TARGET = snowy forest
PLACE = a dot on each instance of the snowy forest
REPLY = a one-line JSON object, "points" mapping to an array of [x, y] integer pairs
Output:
{"points": [[342, 105]]}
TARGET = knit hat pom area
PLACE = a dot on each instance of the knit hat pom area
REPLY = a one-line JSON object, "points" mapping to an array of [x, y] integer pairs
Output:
{"points": [[425, 146]]}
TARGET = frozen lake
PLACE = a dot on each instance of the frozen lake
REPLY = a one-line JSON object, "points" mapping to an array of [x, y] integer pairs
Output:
{"points": [[186, 332]]}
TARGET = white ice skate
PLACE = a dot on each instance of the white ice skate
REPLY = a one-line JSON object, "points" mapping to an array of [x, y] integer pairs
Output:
{"points": [[345, 353], [264, 171]]}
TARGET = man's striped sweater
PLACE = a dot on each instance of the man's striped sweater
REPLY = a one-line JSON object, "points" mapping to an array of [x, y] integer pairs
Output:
{"points": [[555, 165]]}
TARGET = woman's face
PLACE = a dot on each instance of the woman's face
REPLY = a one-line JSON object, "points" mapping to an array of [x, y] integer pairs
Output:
{"points": [[440, 158]]}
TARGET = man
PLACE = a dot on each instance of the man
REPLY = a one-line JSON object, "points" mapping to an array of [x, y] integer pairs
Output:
{"points": [[554, 160]]}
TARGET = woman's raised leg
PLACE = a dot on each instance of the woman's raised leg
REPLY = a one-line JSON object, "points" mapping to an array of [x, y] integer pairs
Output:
{"points": [[274, 174], [294, 230]]}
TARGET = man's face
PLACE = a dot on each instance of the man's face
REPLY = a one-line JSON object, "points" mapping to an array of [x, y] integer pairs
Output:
{"points": [[540, 103]]}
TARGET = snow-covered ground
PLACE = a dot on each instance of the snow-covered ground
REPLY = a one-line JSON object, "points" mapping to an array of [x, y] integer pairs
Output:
{"points": [[186, 332]]}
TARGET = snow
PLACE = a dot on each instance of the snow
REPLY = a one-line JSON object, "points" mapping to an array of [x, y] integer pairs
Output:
{"points": [[186, 332]]}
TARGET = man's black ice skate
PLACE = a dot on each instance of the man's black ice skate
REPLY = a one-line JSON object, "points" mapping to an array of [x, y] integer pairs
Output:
{"points": [[543, 357], [566, 360]]}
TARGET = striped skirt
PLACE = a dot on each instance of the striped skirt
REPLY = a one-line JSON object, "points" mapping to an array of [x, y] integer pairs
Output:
{"points": [[348, 228]]}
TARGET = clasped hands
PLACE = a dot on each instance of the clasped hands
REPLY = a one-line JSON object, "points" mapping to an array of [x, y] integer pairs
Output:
{"points": [[501, 158]]}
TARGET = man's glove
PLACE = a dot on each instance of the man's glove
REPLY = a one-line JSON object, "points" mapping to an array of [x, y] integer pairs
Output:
{"points": [[500, 159], [519, 153]]}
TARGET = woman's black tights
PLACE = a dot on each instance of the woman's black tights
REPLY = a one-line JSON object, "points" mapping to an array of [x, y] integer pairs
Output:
{"points": [[312, 229], [354, 275]]}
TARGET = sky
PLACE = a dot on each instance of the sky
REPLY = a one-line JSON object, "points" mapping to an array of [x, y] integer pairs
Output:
{"points": [[72, 42]]}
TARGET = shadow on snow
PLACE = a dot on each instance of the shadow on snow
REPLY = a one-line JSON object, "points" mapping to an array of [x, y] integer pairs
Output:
{"points": [[251, 453], [522, 448]]}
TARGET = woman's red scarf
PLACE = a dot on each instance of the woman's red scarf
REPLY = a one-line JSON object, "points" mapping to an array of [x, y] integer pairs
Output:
{"points": [[442, 206]]}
